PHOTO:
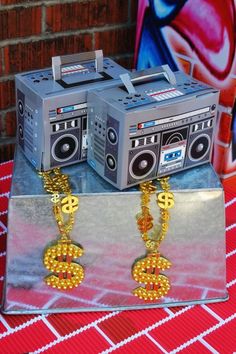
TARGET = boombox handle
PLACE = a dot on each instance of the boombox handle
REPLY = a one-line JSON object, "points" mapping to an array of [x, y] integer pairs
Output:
{"points": [[147, 74], [58, 62]]}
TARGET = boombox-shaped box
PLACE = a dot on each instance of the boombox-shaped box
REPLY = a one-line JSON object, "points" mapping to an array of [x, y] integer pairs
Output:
{"points": [[153, 124], [52, 107]]}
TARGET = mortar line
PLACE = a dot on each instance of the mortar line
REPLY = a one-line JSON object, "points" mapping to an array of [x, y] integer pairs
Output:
{"points": [[47, 36]]}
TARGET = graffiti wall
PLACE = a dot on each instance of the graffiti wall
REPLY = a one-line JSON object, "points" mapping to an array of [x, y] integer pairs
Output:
{"points": [[197, 37]]}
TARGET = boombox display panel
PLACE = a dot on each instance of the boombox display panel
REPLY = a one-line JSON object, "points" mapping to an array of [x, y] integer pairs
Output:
{"points": [[160, 128], [105, 225], [52, 113]]}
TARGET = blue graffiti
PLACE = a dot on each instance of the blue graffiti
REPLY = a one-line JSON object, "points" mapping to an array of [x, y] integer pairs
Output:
{"points": [[165, 10], [153, 48]]}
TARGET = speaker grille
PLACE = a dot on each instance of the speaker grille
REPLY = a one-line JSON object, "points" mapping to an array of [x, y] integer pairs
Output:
{"points": [[29, 138], [99, 149]]}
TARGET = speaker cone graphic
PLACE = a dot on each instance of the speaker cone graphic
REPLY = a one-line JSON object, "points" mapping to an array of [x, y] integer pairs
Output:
{"points": [[199, 147], [65, 147], [112, 136], [111, 162], [142, 164], [21, 107]]}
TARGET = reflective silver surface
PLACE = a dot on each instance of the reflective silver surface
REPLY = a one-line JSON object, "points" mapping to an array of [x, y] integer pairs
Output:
{"points": [[106, 227]]}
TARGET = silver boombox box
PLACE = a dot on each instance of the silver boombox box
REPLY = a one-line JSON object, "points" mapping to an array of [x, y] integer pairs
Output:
{"points": [[52, 107], [153, 124]]}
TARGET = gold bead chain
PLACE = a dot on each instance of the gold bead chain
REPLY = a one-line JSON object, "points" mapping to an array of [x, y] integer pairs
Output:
{"points": [[58, 257], [146, 269]]}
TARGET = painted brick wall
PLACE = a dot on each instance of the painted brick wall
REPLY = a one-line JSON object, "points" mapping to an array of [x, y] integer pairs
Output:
{"points": [[31, 32]]}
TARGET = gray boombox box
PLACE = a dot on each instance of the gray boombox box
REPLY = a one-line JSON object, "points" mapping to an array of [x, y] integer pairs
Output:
{"points": [[52, 107], [153, 124]]}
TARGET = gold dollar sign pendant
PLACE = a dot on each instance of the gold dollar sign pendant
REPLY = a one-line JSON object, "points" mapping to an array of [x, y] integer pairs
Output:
{"points": [[165, 200], [59, 259], [69, 204], [60, 256], [147, 269]]}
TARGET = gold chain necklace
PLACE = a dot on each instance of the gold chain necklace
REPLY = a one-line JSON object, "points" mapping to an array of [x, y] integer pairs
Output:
{"points": [[146, 270], [58, 256]]}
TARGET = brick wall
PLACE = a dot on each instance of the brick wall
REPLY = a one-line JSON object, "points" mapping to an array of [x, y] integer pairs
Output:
{"points": [[31, 32]]}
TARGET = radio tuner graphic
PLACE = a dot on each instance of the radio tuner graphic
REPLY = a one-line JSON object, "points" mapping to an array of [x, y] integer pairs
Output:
{"points": [[52, 107], [157, 122]]}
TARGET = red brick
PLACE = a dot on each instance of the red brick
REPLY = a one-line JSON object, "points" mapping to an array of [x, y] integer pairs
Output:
{"points": [[231, 239], [128, 323], [10, 124], [194, 348], [194, 320], [11, 2], [228, 93], [6, 152], [15, 321], [2, 263], [7, 125], [3, 240], [226, 308], [3, 230], [4, 171], [141, 345], [20, 22], [103, 12], [126, 62], [1, 59], [37, 336], [223, 339], [2, 327], [38, 54], [5, 185], [2, 125], [224, 131], [86, 14], [57, 17], [116, 41], [68, 322], [218, 158], [7, 94], [134, 10], [89, 342], [230, 263]]}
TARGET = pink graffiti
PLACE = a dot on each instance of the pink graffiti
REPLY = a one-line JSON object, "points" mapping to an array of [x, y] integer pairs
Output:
{"points": [[208, 26]]}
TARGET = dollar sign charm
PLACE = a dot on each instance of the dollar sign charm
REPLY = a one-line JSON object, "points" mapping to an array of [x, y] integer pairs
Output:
{"points": [[55, 198], [165, 200], [58, 258], [69, 204], [146, 270]]}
